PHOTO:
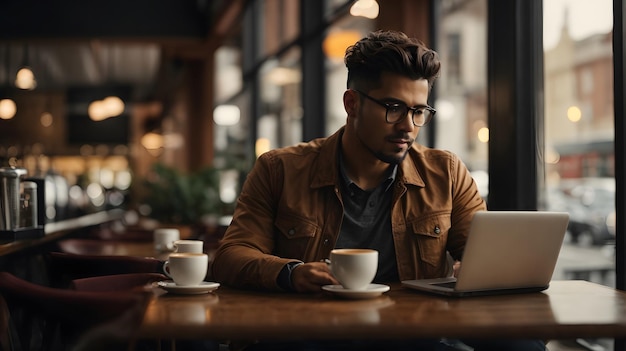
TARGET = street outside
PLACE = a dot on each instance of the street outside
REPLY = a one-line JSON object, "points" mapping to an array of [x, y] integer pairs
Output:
{"points": [[592, 263]]}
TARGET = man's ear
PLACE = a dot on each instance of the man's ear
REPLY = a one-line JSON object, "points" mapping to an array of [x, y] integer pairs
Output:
{"points": [[350, 102]]}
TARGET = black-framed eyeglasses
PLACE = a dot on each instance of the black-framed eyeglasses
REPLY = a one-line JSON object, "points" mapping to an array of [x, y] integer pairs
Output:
{"points": [[395, 112]]}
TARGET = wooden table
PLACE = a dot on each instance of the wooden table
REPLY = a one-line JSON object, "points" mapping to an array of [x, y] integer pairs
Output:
{"points": [[58, 230], [111, 248], [568, 309], [119, 248]]}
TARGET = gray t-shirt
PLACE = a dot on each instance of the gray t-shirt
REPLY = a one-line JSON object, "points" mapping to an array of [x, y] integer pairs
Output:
{"points": [[367, 222]]}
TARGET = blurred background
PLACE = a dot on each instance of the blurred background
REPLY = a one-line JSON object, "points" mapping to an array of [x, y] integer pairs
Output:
{"points": [[161, 107]]}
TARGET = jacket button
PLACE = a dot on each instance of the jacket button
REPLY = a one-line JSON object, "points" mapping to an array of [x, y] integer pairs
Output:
{"points": [[291, 232], [437, 230], [326, 242]]}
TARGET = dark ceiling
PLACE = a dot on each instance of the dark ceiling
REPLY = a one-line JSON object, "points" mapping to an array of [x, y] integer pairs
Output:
{"points": [[61, 66], [77, 19], [77, 43]]}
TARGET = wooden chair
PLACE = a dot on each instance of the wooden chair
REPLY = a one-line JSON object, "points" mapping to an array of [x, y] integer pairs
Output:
{"points": [[65, 267], [117, 282], [48, 318], [5, 326]]}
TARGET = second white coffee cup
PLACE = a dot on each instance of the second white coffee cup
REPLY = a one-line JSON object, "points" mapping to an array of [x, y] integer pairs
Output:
{"points": [[186, 269], [354, 268], [192, 246], [164, 238]]}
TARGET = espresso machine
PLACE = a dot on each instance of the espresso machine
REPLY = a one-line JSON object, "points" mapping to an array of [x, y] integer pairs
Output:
{"points": [[21, 205]]}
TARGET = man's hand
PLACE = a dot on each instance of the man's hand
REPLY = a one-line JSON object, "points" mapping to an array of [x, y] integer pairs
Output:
{"points": [[310, 277], [456, 268]]}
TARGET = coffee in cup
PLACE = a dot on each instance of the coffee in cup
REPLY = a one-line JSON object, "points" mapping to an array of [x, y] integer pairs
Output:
{"points": [[192, 246], [164, 239], [354, 268], [186, 269]]}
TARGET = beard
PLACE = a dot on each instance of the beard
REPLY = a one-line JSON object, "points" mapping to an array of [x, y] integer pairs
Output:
{"points": [[391, 159]]}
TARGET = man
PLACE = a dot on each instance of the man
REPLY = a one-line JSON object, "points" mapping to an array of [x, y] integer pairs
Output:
{"points": [[369, 185]]}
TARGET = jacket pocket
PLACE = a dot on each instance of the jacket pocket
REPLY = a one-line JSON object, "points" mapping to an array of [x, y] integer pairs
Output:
{"points": [[294, 234], [431, 234]]}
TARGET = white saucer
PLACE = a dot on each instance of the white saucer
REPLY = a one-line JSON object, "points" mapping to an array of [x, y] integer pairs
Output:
{"points": [[203, 288], [372, 290]]}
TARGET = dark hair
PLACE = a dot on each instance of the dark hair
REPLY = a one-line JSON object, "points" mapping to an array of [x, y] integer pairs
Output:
{"points": [[389, 51]]}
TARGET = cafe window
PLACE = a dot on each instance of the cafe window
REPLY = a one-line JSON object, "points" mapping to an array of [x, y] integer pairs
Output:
{"points": [[578, 118], [579, 133], [454, 58], [343, 33], [580, 172], [281, 109], [281, 24], [461, 37]]}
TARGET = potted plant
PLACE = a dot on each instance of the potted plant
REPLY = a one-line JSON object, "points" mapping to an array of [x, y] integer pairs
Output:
{"points": [[179, 199]]}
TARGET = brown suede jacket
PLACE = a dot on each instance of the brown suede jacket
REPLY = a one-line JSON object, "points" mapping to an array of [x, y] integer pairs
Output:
{"points": [[290, 209]]}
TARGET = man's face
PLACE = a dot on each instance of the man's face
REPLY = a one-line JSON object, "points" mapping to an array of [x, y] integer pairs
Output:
{"points": [[388, 142]]}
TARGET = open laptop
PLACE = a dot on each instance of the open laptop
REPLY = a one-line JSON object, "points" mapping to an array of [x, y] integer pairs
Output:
{"points": [[506, 252]]}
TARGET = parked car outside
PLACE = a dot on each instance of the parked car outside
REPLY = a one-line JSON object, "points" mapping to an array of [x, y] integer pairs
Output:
{"points": [[591, 205]]}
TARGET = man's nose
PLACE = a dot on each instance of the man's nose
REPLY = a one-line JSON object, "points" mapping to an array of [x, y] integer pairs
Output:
{"points": [[406, 123]]}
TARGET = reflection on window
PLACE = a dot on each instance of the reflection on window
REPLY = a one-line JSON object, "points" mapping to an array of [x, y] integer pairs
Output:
{"points": [[580, 173], [454, 58], [340, 35], [281, 24], [281, 107], [462, 89], [228, 77]]}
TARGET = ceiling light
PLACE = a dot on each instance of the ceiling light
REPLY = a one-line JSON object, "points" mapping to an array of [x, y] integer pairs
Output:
{"points": [[114, 106], [111, 106], [365, 8], [336, 43], [97, 111], [8, 109], [46, 119], [226, 115], [282, 76], [25, 79], [152, 141]]}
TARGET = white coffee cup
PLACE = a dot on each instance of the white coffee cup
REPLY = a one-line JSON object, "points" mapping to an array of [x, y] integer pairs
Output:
{"points": [[186, 269], [354, 268], [164, 239], [192, 246]]}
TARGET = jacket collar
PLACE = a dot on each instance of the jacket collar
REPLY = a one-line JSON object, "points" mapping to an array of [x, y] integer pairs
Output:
{"points": [[326, 167], [409, 172]]}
